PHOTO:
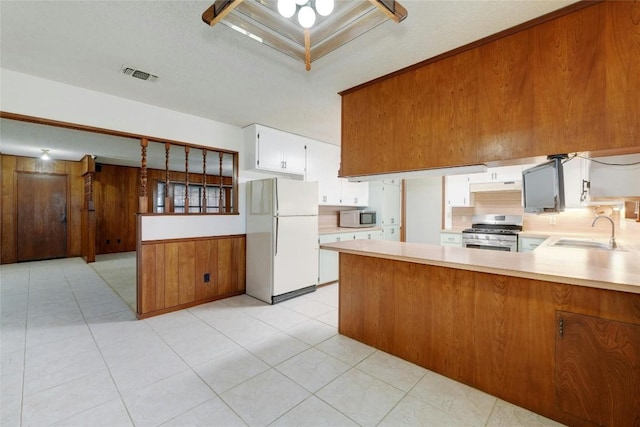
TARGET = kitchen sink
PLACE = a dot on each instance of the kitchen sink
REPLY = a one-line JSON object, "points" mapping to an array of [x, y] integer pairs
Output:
{"points": [[584, 244]]}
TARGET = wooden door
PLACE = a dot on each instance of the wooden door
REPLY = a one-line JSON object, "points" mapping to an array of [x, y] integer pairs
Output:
{"points": [[42, 216]]}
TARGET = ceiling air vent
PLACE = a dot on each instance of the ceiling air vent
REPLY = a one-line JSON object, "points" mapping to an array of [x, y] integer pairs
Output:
{"points": [[139, 74]]}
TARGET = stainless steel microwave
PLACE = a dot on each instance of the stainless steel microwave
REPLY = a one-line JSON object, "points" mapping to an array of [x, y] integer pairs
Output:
{"points": [[357, 218]]}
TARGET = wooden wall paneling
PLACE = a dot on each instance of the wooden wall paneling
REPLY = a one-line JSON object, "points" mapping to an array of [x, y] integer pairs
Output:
{"points": [[116, 202], [412, 347], [76, 201], [505, 99], [240, 266], [569, 82], [206, 263], [127, 233], [225, 260], [453, 323], [231, 265], [9, 245], [150, 270], [186, 272], [622, 50], [171, 274], [513, 315], [492, 332], [354, 298]]}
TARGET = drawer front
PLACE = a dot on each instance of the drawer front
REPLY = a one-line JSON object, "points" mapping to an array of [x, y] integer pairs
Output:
{"points": [[451, 239], [528, 244]]}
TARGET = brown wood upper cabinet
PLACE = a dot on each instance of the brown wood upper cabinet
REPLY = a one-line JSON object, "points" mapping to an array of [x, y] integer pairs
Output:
{"points": [[562, 85]]}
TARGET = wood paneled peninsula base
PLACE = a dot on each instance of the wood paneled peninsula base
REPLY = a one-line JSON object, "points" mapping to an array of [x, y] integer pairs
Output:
{"points": [[565, 350]]}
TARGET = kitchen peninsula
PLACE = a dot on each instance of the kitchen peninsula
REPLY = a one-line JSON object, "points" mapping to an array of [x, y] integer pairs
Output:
{"points": [[556, 330]]}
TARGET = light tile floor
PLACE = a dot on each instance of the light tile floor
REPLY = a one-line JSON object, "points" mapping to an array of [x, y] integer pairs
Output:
{"points": [[73, 354]]}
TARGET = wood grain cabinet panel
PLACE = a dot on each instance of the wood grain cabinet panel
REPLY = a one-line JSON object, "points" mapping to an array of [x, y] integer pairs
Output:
{"points": [[622, 50], [505, 98], [171, 274], [498, 334], [568, 69], [562, 84], [206, 263], [597, 369]]}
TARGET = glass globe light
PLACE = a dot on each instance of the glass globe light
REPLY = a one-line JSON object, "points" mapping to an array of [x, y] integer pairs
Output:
{"points": [[306, 17], [287, 8], [324, 7]]}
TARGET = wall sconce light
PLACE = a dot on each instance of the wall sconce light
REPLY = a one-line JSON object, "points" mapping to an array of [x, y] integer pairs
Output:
{"points": [[45, 155]]}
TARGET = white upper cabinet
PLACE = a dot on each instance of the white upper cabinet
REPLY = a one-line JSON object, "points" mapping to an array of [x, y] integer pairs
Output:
{"points": [[575, 172], [323, 164], [323, 161], [386, 199], [457, 190], [274, 151], [615, 176], [354, 193]]}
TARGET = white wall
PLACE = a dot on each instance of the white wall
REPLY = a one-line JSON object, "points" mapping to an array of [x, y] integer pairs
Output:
{"points": [[423, 209], [25, 94]]}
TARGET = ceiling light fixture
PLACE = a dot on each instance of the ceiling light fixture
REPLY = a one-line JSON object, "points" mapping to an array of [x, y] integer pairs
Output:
{"points": [[328, 24], [45, 155]]}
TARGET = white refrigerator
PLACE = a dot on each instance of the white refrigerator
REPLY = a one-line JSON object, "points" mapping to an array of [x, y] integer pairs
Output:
{"points": [[282, 238]]}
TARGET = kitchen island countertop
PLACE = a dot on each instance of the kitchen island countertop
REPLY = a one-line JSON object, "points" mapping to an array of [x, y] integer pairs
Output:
{"points": [[613, 270]]}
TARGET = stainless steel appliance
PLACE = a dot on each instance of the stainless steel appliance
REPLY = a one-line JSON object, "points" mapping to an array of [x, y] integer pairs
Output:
{"points": [[493, 232], [358, 218]]}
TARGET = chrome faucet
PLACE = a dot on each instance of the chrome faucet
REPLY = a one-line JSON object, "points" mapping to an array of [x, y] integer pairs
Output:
{"points": [[612, 241]]}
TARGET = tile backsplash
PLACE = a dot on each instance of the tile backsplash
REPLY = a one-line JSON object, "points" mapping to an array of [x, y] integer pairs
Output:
{"points": [[572, 220]]}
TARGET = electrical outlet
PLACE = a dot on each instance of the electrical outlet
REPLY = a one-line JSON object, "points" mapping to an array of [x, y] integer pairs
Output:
{"points": [[207, 277], [552, 220], [464, 217]]}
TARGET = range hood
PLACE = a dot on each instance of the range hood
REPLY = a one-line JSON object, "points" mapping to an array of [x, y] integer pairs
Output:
{"points": [[479, 187]]}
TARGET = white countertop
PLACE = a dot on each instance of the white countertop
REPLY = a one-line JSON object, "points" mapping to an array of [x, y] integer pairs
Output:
{"points": [[337, 230], [613, 270]]}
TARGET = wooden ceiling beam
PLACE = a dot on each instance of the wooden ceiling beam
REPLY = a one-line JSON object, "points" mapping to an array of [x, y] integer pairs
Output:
{"points": [[399, 14], [225, 7]]}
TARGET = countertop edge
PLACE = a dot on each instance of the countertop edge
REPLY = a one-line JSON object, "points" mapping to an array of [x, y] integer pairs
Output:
{"points": [[474, 266]]}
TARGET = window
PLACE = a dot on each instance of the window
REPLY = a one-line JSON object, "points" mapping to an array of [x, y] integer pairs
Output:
{"points": [[185, 170], [199, 200]]}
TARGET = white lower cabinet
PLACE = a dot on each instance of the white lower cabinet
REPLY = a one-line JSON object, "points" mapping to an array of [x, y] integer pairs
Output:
{"points": [[328, 260], [450, 239], [391, 233], [528, 244]]}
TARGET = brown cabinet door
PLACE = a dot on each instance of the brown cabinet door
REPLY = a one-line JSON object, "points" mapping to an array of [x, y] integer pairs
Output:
{"points": [[42, 216], [597, 370]]}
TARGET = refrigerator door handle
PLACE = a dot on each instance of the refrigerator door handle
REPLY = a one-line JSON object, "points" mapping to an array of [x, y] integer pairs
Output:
{"points": [[275, 185], [277, 225]]}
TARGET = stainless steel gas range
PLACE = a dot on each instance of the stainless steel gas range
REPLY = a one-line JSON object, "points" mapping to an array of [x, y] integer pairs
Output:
{"points": [[493, 232]]}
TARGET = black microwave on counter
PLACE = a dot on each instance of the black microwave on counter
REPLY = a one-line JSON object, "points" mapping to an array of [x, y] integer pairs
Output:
{"points": [[358, 218]]}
